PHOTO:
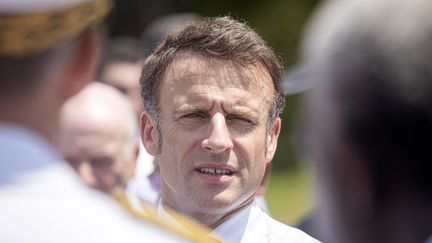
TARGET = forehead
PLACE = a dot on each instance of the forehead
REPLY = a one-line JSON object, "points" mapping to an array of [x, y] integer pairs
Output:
{"points": [[92, 133], [192, 73], [91, 142]]}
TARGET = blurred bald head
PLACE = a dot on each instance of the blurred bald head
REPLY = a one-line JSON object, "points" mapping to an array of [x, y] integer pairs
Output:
{"points": [[98, 136], [370, 118]]}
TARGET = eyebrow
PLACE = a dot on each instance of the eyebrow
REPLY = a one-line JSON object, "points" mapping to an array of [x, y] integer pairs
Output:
{"points": [[239, 111], [190, 108]]}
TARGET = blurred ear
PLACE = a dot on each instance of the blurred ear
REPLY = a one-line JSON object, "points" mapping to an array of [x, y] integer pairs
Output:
{"points": [[272, 138], [149, 134], [81, 64]]}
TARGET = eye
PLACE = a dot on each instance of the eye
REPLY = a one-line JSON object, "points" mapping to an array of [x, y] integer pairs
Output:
{"points": [[241, 124], [101, 161], [193, 115], [240, 119]]}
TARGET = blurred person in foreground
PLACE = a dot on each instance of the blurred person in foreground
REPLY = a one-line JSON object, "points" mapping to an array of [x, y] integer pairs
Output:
{"points": [[48, 51], [370, 119], [211, 120]]}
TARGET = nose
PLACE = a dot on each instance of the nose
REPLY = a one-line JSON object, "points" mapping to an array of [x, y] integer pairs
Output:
{"points": [[219, 139], [86, 173]]}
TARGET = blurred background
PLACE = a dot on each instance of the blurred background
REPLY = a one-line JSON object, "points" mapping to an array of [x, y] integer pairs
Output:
{"points": [[280, 22]]}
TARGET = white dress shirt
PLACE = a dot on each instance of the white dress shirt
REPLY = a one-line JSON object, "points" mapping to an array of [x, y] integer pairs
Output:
{"points": [[42, 199], [252, 225]]}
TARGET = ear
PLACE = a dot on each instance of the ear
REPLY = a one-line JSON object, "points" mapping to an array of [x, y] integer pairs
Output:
{"points": [[272, 138], [149, 134], [82, 63]]}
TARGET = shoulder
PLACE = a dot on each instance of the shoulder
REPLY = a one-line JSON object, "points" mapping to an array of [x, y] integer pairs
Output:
{"points": [[64, 210], [181, 224], [274, 231]]}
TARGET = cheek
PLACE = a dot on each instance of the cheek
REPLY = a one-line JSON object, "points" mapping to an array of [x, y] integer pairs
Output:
{"points": [[251, 155], [178, 145], [252, 147], [166, 169]]}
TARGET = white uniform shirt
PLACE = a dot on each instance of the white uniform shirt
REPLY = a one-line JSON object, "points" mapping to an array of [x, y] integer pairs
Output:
{"points": [[254, 225], [42, 199]]}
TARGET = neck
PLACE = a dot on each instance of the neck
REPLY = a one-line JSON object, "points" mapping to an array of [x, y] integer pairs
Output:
{"points": [[210, 219], [31, 113]]}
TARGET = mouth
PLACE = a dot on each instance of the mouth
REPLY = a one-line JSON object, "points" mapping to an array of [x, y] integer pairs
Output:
{"points": [[215, 171]]}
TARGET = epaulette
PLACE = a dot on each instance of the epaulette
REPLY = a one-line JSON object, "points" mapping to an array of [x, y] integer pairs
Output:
{"points": [[189, 229]]}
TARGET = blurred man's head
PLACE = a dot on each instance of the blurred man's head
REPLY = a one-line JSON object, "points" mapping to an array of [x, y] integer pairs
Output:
{"points": [[46, 56], [370, 118], [98, 136]]}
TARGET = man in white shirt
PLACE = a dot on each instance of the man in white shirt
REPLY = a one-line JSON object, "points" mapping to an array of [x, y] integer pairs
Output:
{"points": [[48, 51], [211, 120], [370, 119]]}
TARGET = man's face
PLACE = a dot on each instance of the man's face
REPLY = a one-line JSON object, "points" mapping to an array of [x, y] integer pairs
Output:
{"points": [[125, 77], [99, 154], [215, 141]]}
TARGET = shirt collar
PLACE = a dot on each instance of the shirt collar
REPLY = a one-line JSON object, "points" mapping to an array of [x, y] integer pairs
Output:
{"points": [[22, 149], [231, 230], [234, 228]]}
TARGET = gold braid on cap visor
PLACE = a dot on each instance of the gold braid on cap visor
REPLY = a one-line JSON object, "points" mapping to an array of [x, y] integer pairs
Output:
{"points": [[29, 34]]}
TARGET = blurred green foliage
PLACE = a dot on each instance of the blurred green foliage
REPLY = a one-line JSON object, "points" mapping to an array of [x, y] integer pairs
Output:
{"points": [[290, 194]]}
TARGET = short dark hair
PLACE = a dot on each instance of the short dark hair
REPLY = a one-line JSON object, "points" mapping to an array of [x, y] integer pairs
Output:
{"points": [[218, 37]]}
